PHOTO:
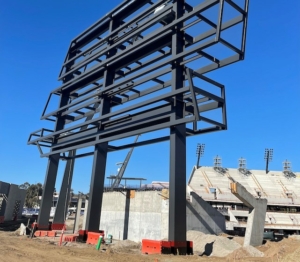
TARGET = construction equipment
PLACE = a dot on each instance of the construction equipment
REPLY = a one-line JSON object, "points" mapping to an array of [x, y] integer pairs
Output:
{"points": [[122, 169]]}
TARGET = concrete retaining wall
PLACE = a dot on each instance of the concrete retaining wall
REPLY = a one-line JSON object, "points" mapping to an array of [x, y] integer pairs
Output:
{"points": [[202, 217], [146, 215], [15, 197]]}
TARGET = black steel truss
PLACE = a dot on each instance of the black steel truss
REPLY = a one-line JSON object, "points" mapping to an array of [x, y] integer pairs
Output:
{"points": [[137, 59], [135, 71]]}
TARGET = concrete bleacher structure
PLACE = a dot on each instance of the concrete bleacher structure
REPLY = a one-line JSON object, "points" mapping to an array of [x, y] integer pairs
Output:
{"points": [[281, 192]]}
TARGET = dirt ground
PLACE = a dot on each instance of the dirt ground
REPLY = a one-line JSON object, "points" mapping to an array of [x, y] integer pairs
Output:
{"points": [[21, 248]]}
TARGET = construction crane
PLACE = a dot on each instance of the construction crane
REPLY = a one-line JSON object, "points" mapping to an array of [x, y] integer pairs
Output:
{"points": [[122, 169]]}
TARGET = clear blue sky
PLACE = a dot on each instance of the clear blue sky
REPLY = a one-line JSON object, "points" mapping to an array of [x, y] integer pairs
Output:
{"points": [[263, 91]]}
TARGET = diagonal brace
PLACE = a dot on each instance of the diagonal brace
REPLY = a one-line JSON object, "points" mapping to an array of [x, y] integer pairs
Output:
{"points": [[191, 85]]}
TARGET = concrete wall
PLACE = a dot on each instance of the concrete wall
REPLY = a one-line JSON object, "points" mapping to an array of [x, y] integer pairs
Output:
{"points": [[143, 216], [15, 194], [146, 215], [201, 216]]}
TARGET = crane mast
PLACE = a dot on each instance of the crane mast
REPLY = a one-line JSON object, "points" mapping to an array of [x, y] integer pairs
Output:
{"points": [[122, 169]]}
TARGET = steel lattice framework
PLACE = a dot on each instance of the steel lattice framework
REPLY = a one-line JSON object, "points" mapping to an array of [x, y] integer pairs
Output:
{"points": [[137, 70]]}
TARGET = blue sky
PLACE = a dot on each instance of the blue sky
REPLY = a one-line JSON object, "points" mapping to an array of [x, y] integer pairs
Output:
{"points": [[262, 91]]}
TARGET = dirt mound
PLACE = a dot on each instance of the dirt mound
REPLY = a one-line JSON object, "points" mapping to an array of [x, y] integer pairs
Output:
{"points": [[211, 245], [286, 250], [200, 241], [239, 240], [244, 252], [16, 248], [294, 256], [224, 246]]}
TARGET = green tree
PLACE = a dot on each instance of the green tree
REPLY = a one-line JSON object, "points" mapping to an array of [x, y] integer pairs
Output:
{"points": [[32, 194], [24, 186]]}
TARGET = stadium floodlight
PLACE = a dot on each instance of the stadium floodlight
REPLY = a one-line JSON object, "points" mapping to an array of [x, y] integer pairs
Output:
{"points": [[268, 158], [199, 152], [287, 169], [286, 165], [217, 162], [242, 163]]}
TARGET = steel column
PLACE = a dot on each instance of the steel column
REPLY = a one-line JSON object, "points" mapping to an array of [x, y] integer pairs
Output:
{"points": [[64, 193], [49, 184], [96, 188], [100, 155], [51, 174], [177, 187]]}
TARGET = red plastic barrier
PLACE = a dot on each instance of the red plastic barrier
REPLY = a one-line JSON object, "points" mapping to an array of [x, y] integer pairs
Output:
{"points": [[45, 233], [70, 238], [57, 226], [151, 246], [92, 237], [165, 247], [52, 233], [37, 233]]}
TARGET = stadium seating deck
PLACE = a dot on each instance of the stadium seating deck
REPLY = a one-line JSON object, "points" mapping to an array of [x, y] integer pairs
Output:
{"points": [[278, 189]]}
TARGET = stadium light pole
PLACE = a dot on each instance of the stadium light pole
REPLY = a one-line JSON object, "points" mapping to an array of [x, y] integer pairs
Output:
{"points": [[199, 152], [268, 158]]}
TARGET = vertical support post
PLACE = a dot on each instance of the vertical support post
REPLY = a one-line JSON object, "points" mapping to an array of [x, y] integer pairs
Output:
{"points": [[126, 214], [64, 194], [78, 211], [100, 154], [51, 173], [177, 204], [86, 205], [96, 188], [49, 184]]}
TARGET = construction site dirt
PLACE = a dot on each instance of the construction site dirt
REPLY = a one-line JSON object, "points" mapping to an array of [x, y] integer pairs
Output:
{"points": [[14, 247]]}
